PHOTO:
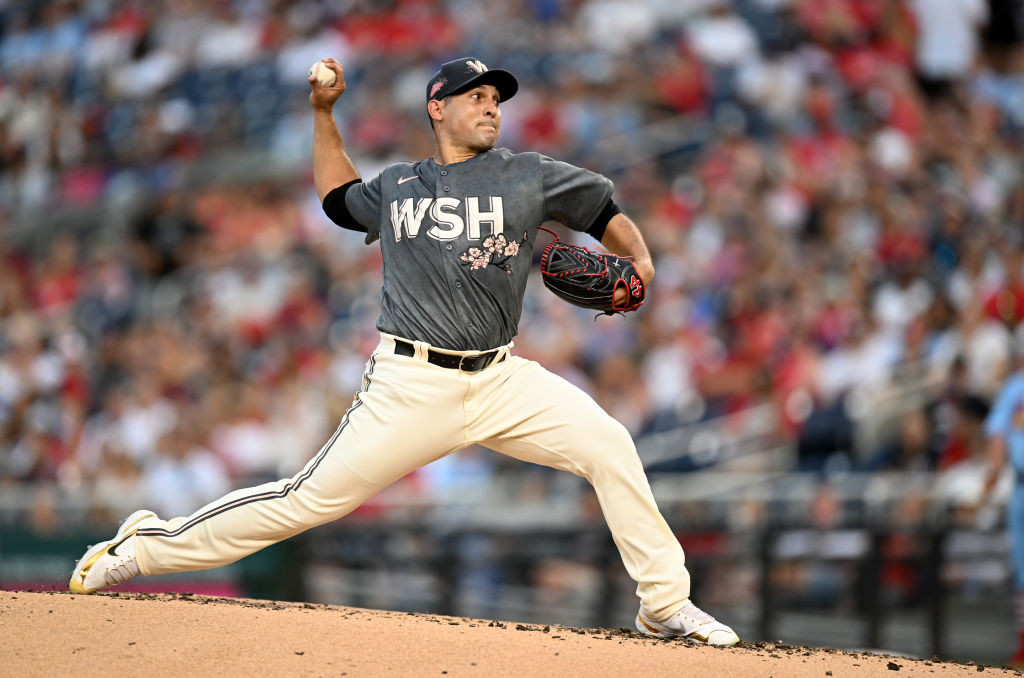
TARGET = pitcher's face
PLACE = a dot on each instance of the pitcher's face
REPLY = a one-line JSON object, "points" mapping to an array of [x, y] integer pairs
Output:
{"points": [[472, 119]]}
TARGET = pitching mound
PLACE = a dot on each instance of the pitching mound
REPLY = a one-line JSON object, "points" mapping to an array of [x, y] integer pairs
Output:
{"points": [[59, 634]]}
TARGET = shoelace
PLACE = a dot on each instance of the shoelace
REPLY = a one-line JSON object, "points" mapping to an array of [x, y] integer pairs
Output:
{"points": [[697, 614], [121, 572]]}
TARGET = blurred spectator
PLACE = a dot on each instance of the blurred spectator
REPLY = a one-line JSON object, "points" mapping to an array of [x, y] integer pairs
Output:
{"points": [[967, 434], [1006, 304], [243, 439], [183, 476], [118, 484], [901, 299], [912, 450], [721, 38], [816, 566], [948, 41], [984, 345]]}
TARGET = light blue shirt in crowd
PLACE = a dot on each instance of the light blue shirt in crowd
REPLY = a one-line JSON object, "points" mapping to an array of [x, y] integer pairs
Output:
{"points": [[1006, 419]]}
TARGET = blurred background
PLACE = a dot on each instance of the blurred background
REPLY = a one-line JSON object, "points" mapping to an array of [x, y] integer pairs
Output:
{"points": [[833, 192]]}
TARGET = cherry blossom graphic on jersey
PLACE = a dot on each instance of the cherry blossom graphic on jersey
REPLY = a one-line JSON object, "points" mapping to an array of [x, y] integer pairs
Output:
{"points": [[495, 250]]}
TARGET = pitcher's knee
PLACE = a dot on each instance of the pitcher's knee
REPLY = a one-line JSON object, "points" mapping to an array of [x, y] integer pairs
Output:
{"points": [[615, 435], [609, 445], [314, 505]]}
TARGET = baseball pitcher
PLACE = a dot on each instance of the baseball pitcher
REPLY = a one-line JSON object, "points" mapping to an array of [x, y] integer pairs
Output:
{"points": [[457, 232]]}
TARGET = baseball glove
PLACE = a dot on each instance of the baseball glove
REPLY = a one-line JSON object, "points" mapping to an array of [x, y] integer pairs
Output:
{"points": [[589, 279]]}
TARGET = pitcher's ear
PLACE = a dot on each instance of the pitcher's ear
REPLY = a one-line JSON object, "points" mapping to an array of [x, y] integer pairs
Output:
{"points": [[435, 109]]}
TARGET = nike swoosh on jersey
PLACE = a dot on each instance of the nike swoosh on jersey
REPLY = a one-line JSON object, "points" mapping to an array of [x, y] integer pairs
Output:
{"points": [[405, 179]]}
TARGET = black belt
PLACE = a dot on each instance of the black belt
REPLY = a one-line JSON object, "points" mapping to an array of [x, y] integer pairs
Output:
{"points": [[466, 363]]}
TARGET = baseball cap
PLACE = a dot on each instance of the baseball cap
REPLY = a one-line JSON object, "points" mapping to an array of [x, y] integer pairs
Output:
{"points": [[460, 74]]}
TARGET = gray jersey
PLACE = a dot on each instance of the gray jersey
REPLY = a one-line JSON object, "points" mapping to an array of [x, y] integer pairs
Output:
{"points": [[457, 240]]}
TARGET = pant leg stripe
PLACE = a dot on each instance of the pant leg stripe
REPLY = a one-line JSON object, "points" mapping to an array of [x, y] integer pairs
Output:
{"points": [[264, 496]]}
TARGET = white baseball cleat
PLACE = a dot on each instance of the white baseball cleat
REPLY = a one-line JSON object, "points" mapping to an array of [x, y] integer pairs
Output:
{"points": [[110, 562], [690, 623]]}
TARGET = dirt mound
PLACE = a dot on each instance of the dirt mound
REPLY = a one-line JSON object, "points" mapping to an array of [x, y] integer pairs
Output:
{"points": [[59, 634]]}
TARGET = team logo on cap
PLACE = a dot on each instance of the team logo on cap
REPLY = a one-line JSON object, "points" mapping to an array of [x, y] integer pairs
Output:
{"points": [[437, 86], [476, 65]]}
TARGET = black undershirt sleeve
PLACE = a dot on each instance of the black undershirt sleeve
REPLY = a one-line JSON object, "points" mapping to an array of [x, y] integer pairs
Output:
{"points": [[337, 211], [601, 222]]}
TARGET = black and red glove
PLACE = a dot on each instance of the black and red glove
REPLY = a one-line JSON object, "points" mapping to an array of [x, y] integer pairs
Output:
{"points": [[589, 279]]}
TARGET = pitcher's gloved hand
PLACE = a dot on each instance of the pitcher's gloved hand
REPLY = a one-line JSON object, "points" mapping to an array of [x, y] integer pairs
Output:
{"points": [[590, 279]]}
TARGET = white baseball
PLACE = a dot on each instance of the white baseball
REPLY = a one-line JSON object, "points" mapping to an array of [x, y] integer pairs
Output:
{"points": [[324, 75]]}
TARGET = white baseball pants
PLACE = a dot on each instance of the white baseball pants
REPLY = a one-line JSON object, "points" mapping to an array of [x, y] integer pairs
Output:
{"points": [[409, 413]]}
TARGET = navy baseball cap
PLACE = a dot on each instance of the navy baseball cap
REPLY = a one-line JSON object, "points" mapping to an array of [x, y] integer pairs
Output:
{"points": [[456, 76]]}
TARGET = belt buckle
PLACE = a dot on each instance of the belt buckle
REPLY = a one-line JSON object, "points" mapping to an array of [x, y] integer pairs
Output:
{"points": [[462, 359]]}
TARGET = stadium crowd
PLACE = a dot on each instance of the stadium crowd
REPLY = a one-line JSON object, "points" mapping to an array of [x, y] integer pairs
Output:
{"points": [[832, 190]]}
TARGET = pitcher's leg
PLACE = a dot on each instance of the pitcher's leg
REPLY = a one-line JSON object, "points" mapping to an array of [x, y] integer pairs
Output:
{"points": [[250, 519], [556, 424], [371, 449]]}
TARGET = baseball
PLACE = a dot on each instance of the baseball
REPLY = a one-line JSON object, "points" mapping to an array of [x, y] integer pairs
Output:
{"points": [[324, 75]]}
